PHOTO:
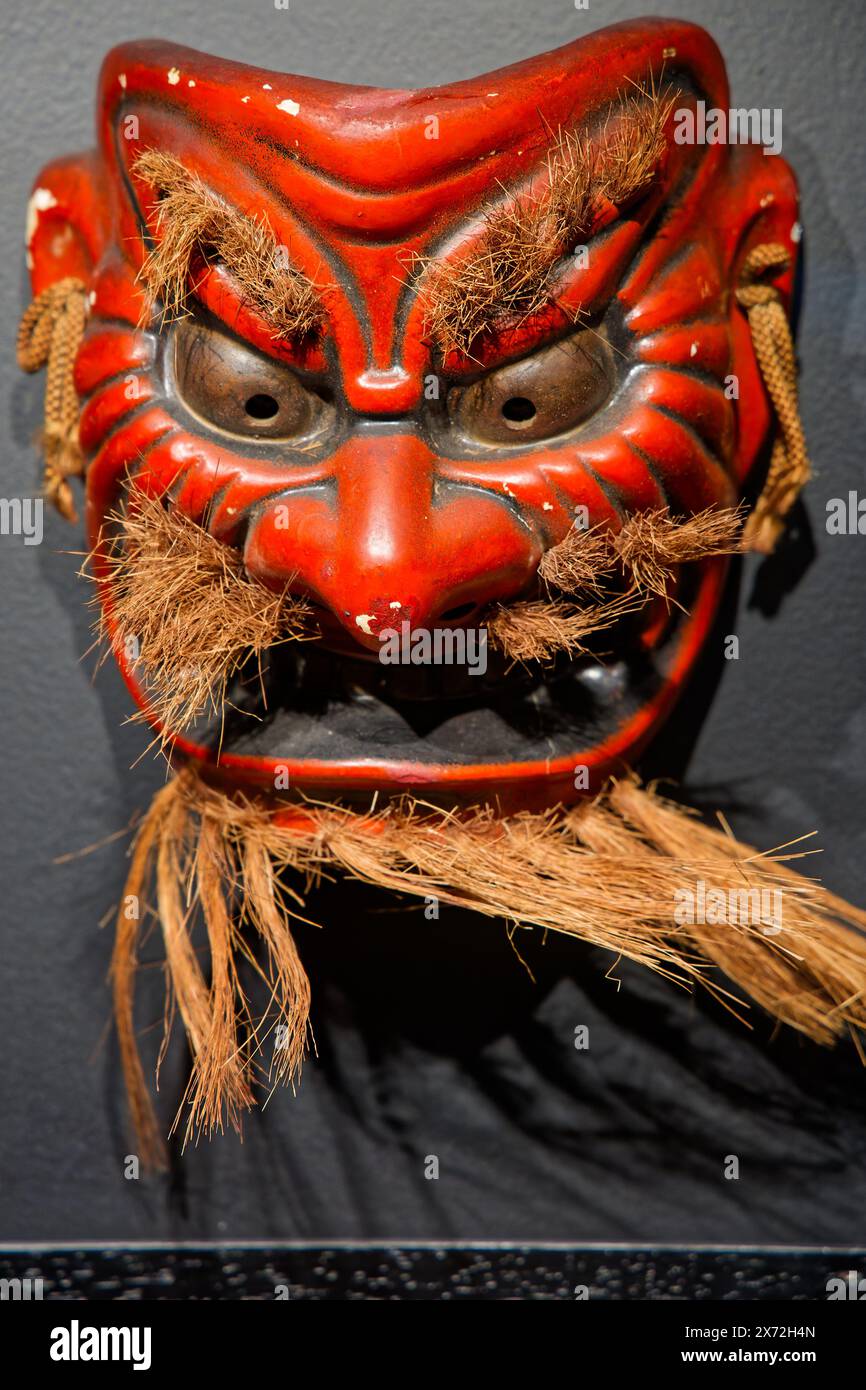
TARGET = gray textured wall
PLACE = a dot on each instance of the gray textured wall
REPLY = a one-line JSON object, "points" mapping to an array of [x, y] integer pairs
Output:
{"points": [[785, 730]]}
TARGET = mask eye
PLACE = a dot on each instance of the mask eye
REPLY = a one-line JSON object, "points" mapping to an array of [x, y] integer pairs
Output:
{"points": [[234, 388], [538, 397]]}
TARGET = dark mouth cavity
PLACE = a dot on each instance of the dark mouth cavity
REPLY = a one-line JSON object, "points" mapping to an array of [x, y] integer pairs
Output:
{"points": [[309, 703]]}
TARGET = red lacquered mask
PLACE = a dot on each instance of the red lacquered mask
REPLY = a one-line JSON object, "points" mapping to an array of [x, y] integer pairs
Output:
{"points": [[390, 463], [408, 359]]}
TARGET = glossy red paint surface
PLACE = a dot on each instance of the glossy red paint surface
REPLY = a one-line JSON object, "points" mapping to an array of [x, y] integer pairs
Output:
{"points": [[397, 517]]}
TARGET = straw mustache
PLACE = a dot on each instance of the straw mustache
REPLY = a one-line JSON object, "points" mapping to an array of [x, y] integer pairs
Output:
{"points": [[645, 554], [182, 605]]}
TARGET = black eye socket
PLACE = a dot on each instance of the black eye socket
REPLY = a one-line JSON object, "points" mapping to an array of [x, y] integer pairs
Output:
{"points": [[236, 389], [540, 396]]}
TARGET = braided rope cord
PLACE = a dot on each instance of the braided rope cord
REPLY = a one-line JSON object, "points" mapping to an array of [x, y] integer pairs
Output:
{"points": [[50, 334], [789, 468]]}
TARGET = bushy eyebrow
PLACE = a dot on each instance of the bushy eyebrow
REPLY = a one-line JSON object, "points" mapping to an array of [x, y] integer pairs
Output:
{"points": [[507, 276], [190, 220]]}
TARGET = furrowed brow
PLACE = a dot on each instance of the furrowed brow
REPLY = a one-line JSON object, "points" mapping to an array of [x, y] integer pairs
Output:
{"points": [[507, 276], [192, 220]]}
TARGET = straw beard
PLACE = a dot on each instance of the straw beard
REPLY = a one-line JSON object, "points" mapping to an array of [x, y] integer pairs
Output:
{"points": [[611, 872], [614, 871]]}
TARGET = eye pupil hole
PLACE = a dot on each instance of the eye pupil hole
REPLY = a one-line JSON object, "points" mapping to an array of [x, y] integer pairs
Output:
{"points": [[262, 407], [518, 410]]}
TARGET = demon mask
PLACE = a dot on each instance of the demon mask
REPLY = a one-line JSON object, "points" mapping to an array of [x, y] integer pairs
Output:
{"points": [[416, 428]]}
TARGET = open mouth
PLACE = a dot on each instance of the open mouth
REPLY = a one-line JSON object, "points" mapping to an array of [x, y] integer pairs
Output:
{"points": [[309, 716], [308, 702]]}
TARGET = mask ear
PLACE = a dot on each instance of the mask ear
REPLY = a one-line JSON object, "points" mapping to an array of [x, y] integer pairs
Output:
{"points": [[66, 221], [66, 218]]}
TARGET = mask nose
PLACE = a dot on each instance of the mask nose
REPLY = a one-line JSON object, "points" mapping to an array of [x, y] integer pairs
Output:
{"points": [[393, 543]]}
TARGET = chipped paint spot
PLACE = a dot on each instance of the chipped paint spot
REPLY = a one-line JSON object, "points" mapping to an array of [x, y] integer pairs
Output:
{"points": [[547, 507], [293, 107], [797, 231], [91, 298], [767, 200], [244, 100], [493, 94], [363, 621], [191, 82], [395, 603], [174, 76], [693, 350], [122, 80], [266, 87], [230, 511], [41, 199]]}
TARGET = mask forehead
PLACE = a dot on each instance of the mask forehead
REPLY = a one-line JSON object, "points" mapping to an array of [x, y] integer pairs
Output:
{"points": [[355, 181], [376, 141]]}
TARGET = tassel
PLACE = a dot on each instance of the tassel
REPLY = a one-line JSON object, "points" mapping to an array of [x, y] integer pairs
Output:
{"points": [[50, 334], [789, 469]]}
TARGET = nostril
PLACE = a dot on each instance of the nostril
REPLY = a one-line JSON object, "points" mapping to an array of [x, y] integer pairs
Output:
{"points": [[462, 610]]}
